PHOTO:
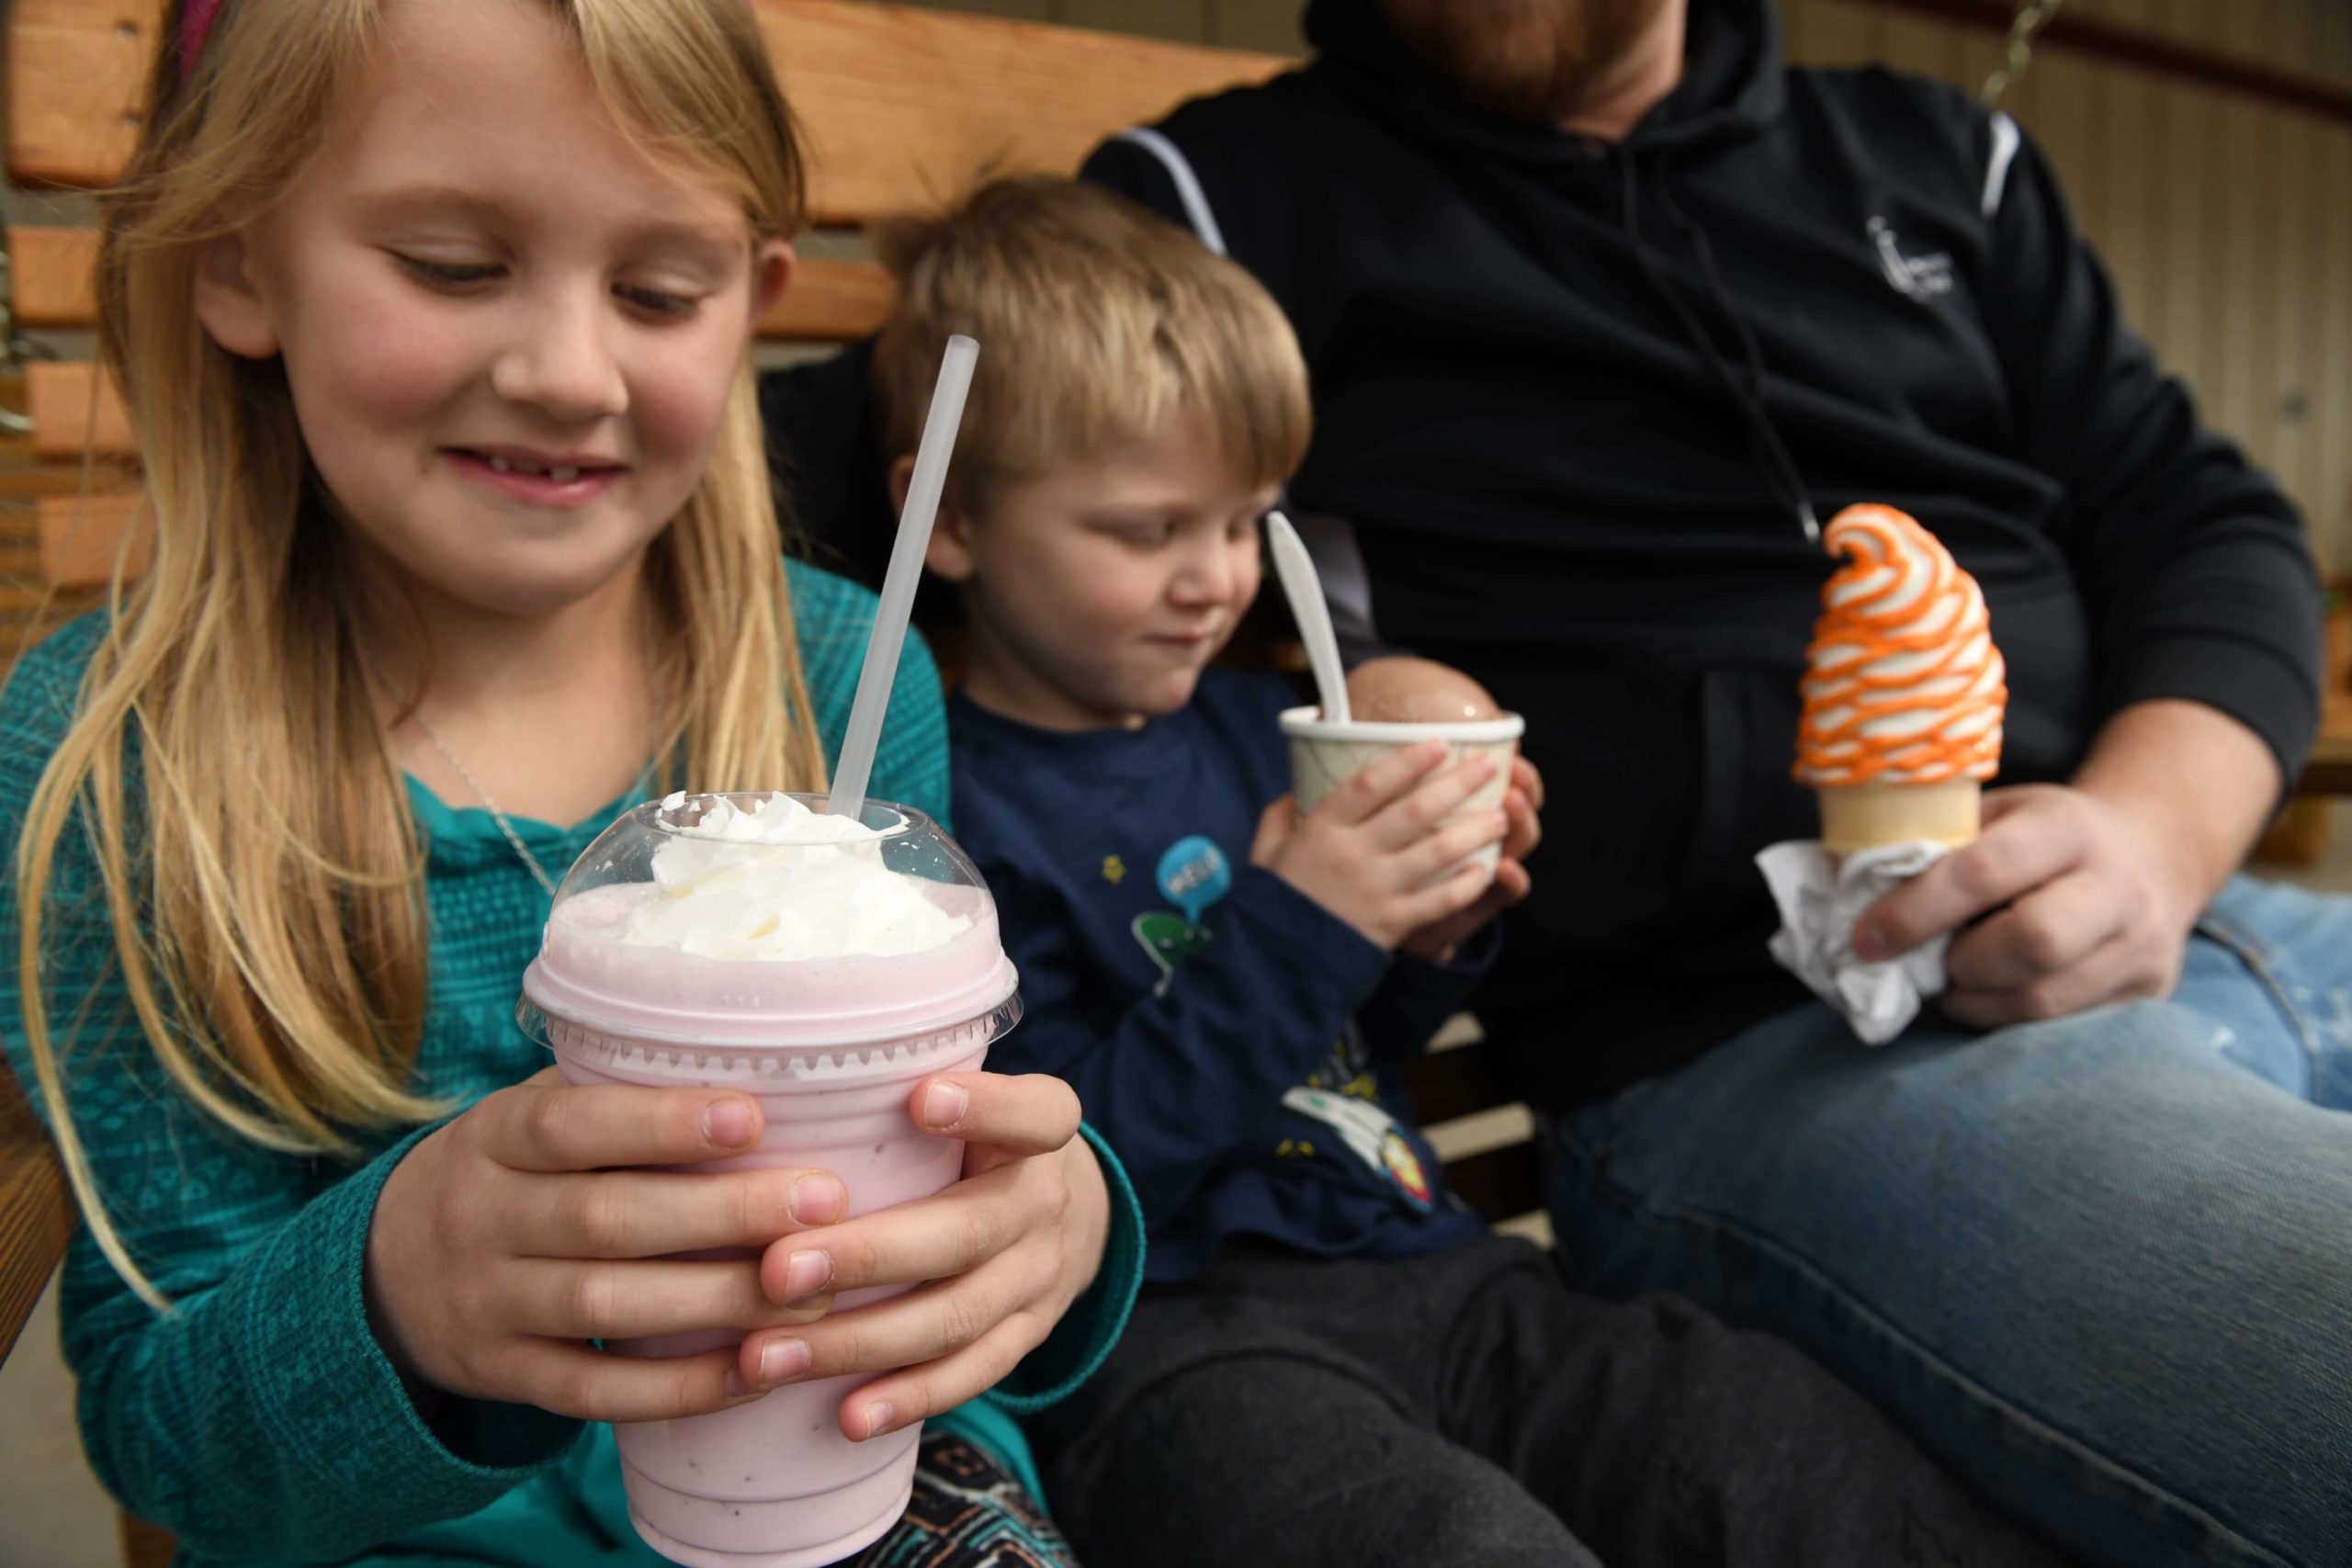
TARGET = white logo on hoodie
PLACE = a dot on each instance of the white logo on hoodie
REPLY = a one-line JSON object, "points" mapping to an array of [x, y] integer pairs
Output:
{"points": [[1921, 277]]}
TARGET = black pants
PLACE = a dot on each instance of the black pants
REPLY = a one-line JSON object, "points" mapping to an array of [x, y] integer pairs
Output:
{"points": [[1470, 1408]]}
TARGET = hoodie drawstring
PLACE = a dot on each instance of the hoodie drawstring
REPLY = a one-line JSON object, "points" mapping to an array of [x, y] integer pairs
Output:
{"points": [[1770, 453]]}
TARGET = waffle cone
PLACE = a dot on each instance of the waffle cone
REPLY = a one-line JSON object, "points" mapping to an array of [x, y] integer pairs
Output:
{"points": [[1864, 816]]}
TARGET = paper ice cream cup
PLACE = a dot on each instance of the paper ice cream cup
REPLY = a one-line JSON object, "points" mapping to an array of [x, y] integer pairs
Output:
{"points": [[1324, 754]]}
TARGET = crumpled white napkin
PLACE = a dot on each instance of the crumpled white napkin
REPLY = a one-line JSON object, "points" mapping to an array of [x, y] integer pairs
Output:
{"points": [[1821, 896]]}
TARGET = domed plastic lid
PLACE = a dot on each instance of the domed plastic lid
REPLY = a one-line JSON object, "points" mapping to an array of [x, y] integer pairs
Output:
{"points": [[753, 920]]}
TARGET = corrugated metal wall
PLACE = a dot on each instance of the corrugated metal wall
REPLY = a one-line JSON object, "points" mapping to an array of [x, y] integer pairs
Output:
{"points": [[2227, 221]]}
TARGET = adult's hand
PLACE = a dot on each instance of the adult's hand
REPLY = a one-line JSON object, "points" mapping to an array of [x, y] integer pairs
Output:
{"points": [[1005, 1251], [2078, 896], [2071, 912]]}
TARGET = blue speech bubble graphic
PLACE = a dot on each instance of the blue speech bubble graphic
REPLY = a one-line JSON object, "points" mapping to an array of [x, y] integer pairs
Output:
{"points": [[1194, 875]]}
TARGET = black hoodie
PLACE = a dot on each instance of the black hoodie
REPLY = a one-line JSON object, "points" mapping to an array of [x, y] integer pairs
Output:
{"points": [[1536, 401]]}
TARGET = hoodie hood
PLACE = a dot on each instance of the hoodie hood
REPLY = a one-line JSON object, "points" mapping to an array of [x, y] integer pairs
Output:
{"points": [[1732, 87], [1732, 83]]}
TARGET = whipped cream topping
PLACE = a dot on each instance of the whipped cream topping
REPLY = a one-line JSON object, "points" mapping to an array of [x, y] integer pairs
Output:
{"points": [[779, 883]]}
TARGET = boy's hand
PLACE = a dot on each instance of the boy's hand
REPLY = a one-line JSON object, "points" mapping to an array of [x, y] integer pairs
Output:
{"points": [[1371, 853], [1436, 943]]}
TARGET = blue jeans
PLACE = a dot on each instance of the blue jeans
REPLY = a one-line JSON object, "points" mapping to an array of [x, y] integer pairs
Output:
{"points": [[2101, 1266]]}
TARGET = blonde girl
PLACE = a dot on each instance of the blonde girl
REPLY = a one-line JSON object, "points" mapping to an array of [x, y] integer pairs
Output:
{"points": [[433, 318]]}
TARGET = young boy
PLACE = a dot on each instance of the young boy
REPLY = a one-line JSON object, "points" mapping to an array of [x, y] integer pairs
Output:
{"points": [[1335, 1360]]}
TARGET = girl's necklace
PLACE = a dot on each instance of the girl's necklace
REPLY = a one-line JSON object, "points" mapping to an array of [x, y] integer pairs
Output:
{"points": [[539, 872]]}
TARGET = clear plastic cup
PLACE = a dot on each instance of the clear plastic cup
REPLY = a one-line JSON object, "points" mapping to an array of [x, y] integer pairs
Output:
{"points": [[828, 1018]]}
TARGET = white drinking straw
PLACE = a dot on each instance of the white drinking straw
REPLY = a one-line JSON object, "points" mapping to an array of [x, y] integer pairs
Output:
{"points": [[889, 633]]}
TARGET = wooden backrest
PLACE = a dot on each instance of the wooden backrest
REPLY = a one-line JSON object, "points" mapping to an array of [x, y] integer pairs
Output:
{"points": [[901, 106]]}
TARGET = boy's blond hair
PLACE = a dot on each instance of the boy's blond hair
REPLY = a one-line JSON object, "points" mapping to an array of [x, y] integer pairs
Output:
{"points": [[1098, 323]]}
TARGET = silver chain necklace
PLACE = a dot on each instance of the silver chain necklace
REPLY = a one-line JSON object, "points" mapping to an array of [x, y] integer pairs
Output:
{"points": [[539, 872]]}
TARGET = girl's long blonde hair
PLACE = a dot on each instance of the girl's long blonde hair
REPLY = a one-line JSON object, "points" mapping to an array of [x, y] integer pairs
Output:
{"points": [[267, 903]]}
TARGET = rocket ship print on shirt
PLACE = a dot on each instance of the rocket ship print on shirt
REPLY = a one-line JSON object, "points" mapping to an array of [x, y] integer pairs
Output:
{"points": [[1193, 874], [1167, 938], [1373, 1134]]}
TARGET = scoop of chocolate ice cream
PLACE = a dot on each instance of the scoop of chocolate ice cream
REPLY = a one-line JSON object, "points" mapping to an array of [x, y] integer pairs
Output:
{"points": [[1415, 690]]}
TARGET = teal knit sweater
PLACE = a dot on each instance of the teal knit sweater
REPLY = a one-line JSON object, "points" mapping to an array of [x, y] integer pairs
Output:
{"points": [[260, 1421]]}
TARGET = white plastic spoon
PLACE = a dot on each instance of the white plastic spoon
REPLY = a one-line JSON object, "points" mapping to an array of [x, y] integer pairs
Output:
{"points": [[1304, 589]]}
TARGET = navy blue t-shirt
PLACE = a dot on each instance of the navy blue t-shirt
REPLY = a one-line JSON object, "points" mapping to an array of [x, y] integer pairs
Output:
{"points": [[1228, 1036]]}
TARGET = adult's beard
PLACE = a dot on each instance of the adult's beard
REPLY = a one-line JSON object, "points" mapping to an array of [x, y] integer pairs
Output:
{"points": [[1536, 60]]}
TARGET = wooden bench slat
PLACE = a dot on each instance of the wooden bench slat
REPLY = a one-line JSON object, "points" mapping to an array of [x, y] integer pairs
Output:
{"points": [[904, 106], [36, 1214], [20, 556], [21, 482], [75, 411], [80, 536], [77, 70], [831, 300], [51, 270]]}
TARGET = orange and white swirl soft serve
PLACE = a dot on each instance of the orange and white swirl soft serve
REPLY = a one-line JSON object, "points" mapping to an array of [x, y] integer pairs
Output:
{"points": [[1905, 690]]}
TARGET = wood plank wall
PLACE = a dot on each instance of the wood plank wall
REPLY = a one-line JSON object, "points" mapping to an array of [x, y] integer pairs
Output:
{"points": [[2226, 222]]}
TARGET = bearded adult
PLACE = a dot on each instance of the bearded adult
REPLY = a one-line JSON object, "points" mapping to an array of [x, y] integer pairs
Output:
{"points": [[1602, 305]]}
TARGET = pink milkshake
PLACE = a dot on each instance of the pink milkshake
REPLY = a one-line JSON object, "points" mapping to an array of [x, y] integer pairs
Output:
{"points": [[822, 965]]}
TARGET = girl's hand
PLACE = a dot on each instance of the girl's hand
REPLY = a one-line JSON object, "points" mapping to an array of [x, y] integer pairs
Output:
{"points": [[1371, 851], [1006, 1250], [1436, 943], [504, 1241]]}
